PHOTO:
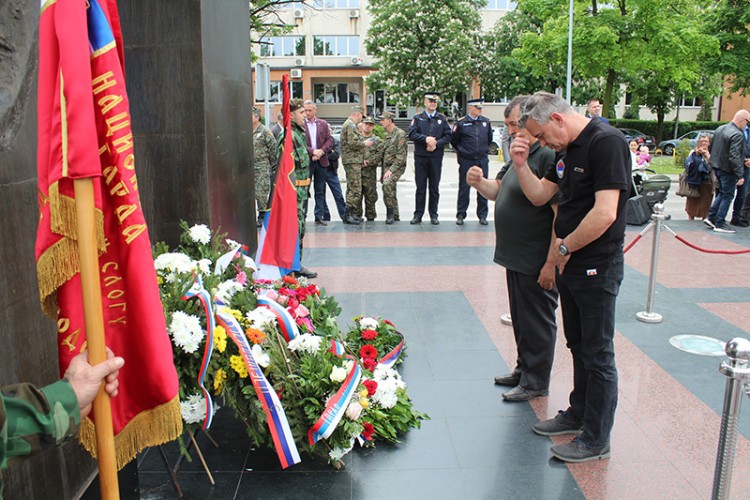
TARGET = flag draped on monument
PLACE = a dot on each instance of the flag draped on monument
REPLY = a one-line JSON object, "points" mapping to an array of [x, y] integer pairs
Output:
{"points": [[84, 132], [278, 247]]}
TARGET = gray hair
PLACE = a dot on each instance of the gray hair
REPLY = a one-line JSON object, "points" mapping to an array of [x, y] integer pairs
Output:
{"points": [[707, 136], [541, 105], [518, 101], [310, 101]]}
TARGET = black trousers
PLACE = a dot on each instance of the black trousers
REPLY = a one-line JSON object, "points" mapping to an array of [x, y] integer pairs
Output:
{"points": [[464, 190], [427, 168], [534, 328], [588, 306]]}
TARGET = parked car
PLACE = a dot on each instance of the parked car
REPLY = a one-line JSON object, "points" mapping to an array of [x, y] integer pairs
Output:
{"points": [[668, 147], [335, 129], [497, 137], [639, 137]]}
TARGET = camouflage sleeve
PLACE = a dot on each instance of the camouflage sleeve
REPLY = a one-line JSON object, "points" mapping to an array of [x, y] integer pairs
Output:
{"points": [[272, 150], [33, 420], [352, 141]]}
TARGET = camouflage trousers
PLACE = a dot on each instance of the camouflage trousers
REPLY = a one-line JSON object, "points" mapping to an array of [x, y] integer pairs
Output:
{"points": [[389, 193], [353, 188], [262, 186], [369, 191], [303, 193]]}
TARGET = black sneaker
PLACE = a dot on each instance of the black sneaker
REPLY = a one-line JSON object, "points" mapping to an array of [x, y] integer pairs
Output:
{"points": [[709, 223], [724, 228], [577, 451], [563, 423]]}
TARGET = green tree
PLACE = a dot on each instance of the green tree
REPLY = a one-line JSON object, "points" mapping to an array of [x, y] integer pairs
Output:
{"points": [[729, 21], [264, 20], [422, 45]]}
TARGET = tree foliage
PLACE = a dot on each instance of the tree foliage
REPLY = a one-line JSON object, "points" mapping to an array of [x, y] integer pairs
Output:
{"points": [[729, 21], [264, 20], [421, 46]]}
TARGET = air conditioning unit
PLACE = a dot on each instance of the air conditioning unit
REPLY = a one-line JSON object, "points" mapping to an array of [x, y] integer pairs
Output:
{"points": [[299, 13], [354, 14], [299, 62], [356, 61], [296, 73]]}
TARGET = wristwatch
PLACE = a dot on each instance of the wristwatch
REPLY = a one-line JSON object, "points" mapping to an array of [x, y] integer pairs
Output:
{"points": [[563, 249]]}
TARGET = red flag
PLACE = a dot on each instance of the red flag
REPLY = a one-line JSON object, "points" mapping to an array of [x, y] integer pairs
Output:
{"points": [[84, 131], [282, 235]]}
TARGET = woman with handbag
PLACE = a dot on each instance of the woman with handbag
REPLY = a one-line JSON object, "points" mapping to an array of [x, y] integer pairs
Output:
{"points": [[697, 179]]}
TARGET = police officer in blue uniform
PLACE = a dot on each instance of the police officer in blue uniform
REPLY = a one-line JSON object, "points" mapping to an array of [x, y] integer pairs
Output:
{"points": [[430, 132], [472, 136]]}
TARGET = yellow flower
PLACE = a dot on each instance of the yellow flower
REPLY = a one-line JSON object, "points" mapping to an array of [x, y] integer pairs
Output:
{"points": [[237, 315], [363, 392], [220, 338], [159, 280], [238, 365], [219, 379], [364, 402]]}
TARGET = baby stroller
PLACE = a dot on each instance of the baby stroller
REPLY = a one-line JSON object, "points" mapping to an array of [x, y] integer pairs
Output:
{"points": [[654, 188]]}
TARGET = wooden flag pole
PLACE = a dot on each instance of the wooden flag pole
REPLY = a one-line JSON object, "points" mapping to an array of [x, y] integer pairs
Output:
{"points": [[94, 321]]}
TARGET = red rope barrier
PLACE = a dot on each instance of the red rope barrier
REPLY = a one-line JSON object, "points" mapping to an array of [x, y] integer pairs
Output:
{"points": [[700, 249], [630, 245]]}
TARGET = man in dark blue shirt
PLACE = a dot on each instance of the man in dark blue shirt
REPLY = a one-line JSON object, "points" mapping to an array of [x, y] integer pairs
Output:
{"points": [[430, 132], [472, 136]]}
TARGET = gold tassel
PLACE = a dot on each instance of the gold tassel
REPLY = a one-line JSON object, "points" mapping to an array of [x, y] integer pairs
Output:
{"points": [[63, 217], [55, 266], [149, 428]]}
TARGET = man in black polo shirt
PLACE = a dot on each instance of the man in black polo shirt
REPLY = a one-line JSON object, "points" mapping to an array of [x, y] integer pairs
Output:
{"points": [[592, 173]]}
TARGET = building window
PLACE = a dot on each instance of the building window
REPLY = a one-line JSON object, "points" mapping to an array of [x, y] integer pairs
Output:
{"points": [[336, 4], [336, 45], [691, 102], [291, 5], [501, 5], [278, 46], [496, 99], [295, 89], [327, 93]]}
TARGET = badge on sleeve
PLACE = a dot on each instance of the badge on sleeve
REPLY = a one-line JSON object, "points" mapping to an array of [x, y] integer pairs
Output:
{"points": [[484, 124], [440, 122], [560, 168]]}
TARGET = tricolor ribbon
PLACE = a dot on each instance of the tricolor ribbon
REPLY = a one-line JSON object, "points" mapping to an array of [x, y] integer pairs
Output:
{"points": [[197, 290], [390, 359], [336, 407], [287, 325], [337, 348], [278, 425]]}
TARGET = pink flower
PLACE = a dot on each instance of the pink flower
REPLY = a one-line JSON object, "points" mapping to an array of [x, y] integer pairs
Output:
{"points": [[301, 311], [241, 278], [271, 294], [306, 323], [282, 299]]}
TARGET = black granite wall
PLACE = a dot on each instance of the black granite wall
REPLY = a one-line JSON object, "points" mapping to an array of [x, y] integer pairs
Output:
{"points": [[189, 82]]}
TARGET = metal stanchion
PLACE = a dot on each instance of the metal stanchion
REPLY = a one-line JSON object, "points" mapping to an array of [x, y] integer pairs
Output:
{"points": [[648, 316], [506, 319], [737, 372]]}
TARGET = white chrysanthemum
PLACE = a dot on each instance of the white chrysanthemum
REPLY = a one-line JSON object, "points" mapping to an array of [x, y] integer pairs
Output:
{"points": [[200, 233], [261, 318], [306, 342], [389, 382], [338, 453], [260, 356], [338, 374], [175, 262], [368, 323], [204, 266], [193, 409], [186, 331], [226, 290]]}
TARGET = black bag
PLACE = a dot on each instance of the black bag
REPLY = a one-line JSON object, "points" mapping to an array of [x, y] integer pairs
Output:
{"points": [[638, 212]]}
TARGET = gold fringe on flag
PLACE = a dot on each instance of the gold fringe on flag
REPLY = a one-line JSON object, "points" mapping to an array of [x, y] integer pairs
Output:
{"points": [[152, 427], [60, 261]]}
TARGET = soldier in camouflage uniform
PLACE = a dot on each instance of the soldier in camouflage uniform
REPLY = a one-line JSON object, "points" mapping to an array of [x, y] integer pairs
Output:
{"points": [[301, 170], [33, 420], [373, 160], [353, 148], [394, 164], [264, 161]]}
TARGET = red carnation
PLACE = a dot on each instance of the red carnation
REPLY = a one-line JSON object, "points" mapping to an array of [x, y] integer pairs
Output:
{"points": [[368, 351], [371, 386], [369, 334], [292, 304], [388, 322], [368, 431], [370, 364]]}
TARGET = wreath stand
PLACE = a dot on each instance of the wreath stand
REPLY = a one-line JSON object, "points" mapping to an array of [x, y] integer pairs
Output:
{"points": [[172, 471]]}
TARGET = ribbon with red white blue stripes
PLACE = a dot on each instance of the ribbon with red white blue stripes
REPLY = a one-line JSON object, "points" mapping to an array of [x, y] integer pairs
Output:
{"points": [[337, 348], [390, 359], [336, 407], [278, 426], [198, 291], [287, 325]]}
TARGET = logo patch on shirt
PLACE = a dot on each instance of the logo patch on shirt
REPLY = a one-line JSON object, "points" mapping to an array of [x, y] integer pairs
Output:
{"points": [[560, 168], [440, 122], [590, 272], [484, 124], [578, 170]]}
